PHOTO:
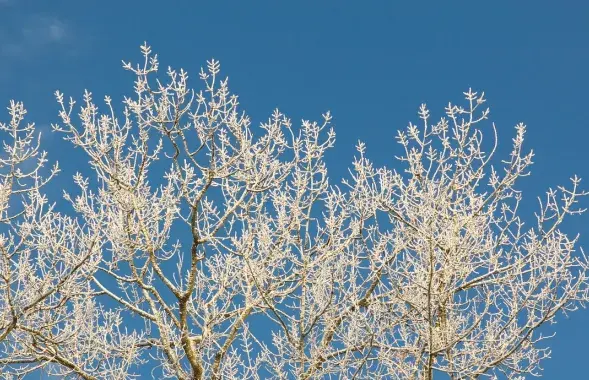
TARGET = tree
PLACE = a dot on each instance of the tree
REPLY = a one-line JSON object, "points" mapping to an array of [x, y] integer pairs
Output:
{"points": [[200, 247]]}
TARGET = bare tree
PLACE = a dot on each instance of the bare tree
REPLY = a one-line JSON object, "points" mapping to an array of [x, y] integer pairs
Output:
{"points": [[201, 247]]}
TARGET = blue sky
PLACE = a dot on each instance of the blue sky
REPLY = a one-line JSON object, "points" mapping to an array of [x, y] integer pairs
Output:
{"points": [[370, 63]]}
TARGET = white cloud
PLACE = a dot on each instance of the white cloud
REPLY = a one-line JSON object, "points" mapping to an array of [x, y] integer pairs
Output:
{"points": [[57, 30], [37, 34]]}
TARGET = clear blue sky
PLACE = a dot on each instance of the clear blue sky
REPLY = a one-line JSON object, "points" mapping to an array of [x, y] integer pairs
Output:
{"points": [[371, 63]]}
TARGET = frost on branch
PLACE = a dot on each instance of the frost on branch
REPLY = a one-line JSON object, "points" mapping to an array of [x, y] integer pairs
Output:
{"points": [[45, 263], [202, 247]]}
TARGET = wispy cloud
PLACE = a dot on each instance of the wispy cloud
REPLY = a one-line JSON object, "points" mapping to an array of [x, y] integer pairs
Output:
{"points": [[35, 35]]}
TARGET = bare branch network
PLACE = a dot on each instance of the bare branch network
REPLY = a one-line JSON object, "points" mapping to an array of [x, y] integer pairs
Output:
{"points": [[199, 247]]}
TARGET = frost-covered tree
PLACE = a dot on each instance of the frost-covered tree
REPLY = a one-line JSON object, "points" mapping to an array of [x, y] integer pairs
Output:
{"points": [[201, 247]]}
